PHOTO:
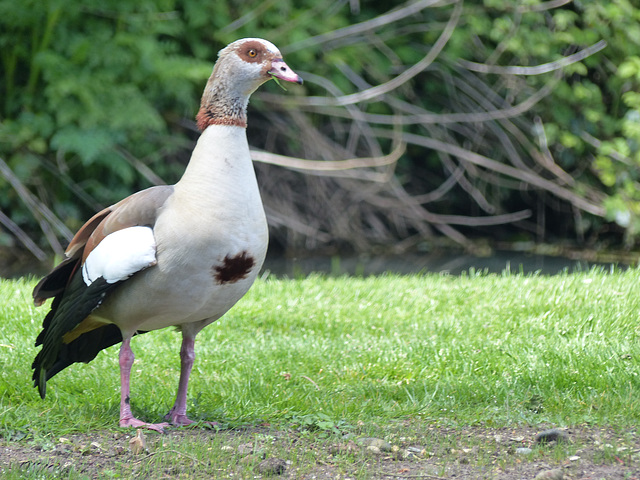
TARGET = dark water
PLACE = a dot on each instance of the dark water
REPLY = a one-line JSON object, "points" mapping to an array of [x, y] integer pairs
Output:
{"points": [[450, 262], [453, 264]]}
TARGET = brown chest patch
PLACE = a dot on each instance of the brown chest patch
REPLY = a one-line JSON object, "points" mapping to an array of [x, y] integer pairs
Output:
{"points": [[233, 268]]}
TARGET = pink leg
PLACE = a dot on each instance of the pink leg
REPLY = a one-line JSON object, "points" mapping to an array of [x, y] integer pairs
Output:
{"points": [[178, 414], [126, 417]]}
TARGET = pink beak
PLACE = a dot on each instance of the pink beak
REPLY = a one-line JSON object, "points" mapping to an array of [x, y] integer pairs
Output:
{"points": [[281, 71]]}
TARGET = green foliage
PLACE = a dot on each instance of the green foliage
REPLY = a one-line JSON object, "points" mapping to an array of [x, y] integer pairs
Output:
{"points": [[606, 100], [91, 87], [84, 89], [592, 117], [92, 95]]}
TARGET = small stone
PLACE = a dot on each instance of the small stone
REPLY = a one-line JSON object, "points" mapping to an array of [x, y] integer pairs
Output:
{"points": [[373, 450], [227, 448], [383, 445], [555, 474], [554, 435], [516, 439], [574, 458], [417, 451], [245, 449], [272, 466], [523, 451], [498, 438]]}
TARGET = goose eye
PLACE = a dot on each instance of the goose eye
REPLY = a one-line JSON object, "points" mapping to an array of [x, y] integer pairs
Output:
{"points": [[252, 53]]}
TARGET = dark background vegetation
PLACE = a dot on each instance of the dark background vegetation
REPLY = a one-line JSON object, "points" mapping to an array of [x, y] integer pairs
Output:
{"points": [[466, 121]]}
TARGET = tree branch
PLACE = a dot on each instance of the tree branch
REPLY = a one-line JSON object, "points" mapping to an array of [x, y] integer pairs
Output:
{"points": [[538, 69]]}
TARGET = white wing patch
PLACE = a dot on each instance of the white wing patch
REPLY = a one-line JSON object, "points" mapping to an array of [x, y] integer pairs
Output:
{"points": [[120, 255]]}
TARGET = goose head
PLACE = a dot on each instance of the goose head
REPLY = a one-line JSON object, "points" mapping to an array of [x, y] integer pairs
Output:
{"points": [[241, 68]]}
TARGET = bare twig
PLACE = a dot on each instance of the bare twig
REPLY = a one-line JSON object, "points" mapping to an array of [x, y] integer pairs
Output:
{"points": [[425, 118], [478, 221], [526, 177], [59, 173], [296, 226], [411, 8], [142, 169], [538, 69], [401, 79], [314, 383], [594, 142], [541, 7], [41, 212], [22, 236], [329, 165]]}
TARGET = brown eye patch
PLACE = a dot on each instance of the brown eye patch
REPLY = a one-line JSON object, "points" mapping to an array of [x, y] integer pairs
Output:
{"points": [[252, 52]]}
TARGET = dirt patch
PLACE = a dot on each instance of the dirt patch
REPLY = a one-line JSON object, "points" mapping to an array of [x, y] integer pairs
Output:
{"points": [[406, 450]]}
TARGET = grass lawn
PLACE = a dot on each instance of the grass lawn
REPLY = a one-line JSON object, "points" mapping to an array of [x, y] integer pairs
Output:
{"points": [[329, 355]]}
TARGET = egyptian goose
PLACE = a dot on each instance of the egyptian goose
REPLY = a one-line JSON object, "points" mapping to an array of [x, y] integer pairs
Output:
{"points": [[179, 255]]}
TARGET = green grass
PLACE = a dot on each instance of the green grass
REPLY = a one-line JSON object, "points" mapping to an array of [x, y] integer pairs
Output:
{"points": [[494, 350]]}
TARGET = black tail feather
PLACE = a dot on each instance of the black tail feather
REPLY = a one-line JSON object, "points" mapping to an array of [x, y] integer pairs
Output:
{"points": [[55, 282], [69, 308]]}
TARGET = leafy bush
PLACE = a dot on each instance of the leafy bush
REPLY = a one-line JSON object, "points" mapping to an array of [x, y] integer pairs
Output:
{"points": [[89, 92]]}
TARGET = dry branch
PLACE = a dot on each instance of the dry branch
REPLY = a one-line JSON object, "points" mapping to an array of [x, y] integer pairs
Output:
{"points": [[328, 165], [526, 177], [45, 217], [538, 69], [411, 8], [22, 236], [401, 79]]}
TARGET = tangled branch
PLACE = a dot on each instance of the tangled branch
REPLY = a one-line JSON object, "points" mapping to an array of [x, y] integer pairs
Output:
{"points": [[482, 138]]}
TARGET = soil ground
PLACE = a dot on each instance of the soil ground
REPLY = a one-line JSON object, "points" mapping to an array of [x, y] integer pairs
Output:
{"points": [[412, 451]]}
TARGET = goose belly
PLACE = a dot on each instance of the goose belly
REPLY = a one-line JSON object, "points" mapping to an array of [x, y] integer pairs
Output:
{"points": [[188, 285]]}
